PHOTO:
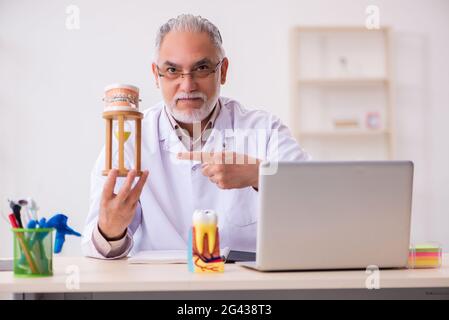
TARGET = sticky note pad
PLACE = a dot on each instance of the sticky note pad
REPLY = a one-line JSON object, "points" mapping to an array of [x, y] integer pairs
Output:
{"points": [[427, 255]]}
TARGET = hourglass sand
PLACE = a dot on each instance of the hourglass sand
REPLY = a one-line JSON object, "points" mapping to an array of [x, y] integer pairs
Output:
{"points": [[122, 106]]}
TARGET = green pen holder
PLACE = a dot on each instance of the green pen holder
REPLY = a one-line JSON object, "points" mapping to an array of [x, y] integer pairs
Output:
{"points": [[33, 252]]}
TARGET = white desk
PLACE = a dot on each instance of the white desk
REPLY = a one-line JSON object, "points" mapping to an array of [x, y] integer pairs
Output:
{"points": [[105, 279]]}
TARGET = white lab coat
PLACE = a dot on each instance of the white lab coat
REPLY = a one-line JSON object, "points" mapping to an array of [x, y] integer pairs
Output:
{"points": [[175, 188]]}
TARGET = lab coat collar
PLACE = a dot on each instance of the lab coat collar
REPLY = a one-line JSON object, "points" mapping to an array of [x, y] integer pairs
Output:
{"points": [[223, 120]]}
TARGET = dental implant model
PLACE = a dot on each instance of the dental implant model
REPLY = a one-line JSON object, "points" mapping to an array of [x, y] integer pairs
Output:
{"points": [[204, 245]]}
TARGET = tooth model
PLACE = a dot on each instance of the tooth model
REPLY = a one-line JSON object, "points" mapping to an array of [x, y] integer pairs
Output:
{"points": [[204, 245]]}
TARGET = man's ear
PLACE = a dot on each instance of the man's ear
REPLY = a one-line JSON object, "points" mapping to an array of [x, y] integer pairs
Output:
{"points": [[224, 70], [155, 73]]}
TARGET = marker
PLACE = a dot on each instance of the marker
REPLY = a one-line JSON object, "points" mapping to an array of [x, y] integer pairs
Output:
{"points": [[13, 221], [16, 210]]}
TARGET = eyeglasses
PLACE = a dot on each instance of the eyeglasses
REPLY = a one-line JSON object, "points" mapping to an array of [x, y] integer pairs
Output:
{"points": [[200, 72]]}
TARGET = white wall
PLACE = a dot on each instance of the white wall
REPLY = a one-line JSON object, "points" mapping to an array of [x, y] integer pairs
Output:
{"points": [[52, 79]]}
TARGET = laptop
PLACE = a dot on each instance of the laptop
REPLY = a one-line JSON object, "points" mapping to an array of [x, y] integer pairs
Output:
{"points": [[333, 215]]}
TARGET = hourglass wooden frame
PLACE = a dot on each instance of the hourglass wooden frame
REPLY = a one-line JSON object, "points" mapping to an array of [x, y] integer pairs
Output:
{"points": [[122, 116]]}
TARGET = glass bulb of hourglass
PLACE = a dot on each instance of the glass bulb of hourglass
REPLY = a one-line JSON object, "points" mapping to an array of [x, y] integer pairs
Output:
{"points": [[128, 129], [126, 133]]}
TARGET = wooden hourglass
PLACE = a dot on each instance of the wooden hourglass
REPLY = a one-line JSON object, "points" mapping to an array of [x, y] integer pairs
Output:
{"points": [[122, 106]]}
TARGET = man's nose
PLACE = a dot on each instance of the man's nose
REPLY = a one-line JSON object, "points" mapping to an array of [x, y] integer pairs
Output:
{"points": [[188, 83]]}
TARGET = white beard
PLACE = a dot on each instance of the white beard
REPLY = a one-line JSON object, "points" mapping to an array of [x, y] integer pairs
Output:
{"points": [[195, 115]]}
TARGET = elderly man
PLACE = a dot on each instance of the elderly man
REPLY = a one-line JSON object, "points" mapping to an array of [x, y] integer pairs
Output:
{"points": [[202, 152]]}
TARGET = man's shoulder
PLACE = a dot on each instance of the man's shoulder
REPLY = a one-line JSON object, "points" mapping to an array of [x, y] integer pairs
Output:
{"points": [[153, 111], [244, 115]]}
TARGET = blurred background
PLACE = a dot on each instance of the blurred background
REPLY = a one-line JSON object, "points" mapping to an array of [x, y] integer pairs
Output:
{"points": [[352, 79]]}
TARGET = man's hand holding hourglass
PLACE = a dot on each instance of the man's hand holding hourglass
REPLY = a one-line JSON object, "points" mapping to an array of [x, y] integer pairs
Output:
{"points": [[117, 210]]}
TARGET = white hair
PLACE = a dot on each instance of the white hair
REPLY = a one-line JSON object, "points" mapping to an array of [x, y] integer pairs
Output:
{"points": [[191, 23]]}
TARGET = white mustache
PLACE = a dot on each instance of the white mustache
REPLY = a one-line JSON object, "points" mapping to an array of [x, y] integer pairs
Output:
{"points": [[193, 95]]}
